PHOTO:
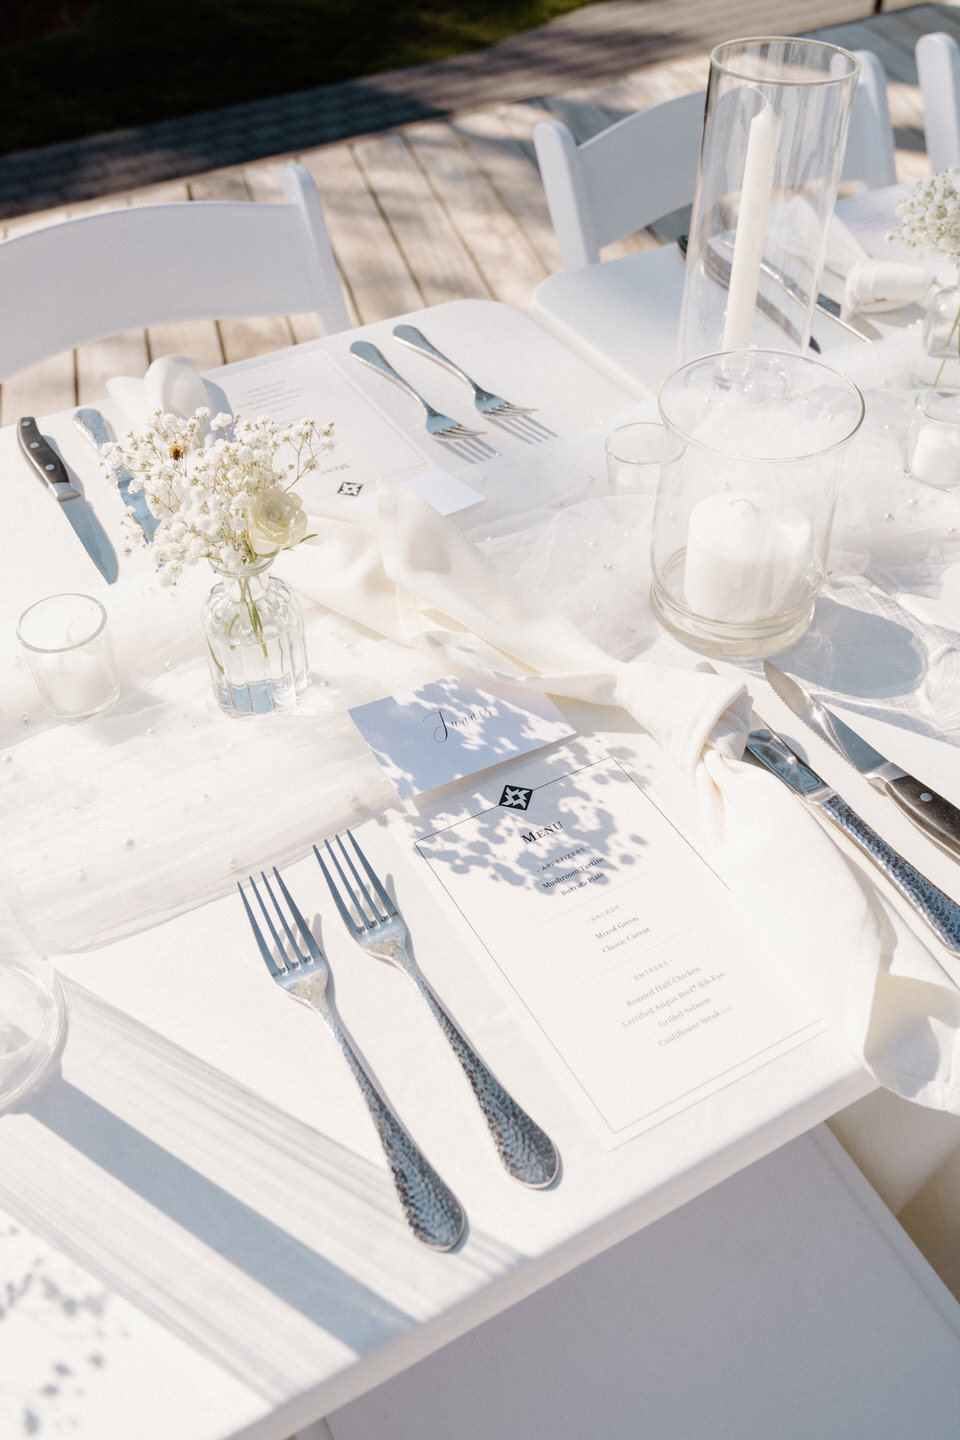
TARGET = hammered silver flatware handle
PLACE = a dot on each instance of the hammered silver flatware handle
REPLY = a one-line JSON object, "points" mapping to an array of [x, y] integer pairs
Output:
{"points": [[410, 335], [934, 907], [371, 356], [525, 1150], [433, 1211]]}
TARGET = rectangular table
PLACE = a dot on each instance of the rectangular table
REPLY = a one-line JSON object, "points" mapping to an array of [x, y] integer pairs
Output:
{"points": [[198, 1219]]}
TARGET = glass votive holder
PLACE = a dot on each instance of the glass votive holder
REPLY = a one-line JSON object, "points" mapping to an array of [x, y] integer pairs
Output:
{"points": [[634, 454], [741, 527], [933, 442], [68, 650]]}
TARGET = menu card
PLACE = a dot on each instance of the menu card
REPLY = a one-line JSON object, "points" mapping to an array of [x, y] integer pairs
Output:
{"points": [[616, 939], [369, 447]]}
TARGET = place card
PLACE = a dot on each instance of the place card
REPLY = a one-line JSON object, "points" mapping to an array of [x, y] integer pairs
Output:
{"points": [[447, 730], [617, 944]]}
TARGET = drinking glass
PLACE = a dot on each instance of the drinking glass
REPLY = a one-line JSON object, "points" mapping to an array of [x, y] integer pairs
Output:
{"points": [[634, 453]]}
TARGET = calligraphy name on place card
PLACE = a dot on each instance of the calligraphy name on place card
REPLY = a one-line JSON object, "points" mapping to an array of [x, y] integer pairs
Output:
{"points": [[448, 729]]}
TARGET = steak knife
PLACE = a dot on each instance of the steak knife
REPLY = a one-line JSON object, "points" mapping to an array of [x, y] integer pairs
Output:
{"points": [[91, 425], [53, 472], [934, 907], [930, 812]]}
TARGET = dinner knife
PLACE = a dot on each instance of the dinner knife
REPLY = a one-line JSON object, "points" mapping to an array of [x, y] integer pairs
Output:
{"points": [[930, 812], [934, 907], [92, 427], [53, 472]]}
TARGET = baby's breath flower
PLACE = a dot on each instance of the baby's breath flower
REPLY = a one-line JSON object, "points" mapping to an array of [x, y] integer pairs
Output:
{"points": [[930, 214], [220, 491]]}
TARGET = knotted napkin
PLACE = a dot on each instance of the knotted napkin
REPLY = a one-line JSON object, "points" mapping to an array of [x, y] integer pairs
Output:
{"points": [[412, 575], [173, 385]]}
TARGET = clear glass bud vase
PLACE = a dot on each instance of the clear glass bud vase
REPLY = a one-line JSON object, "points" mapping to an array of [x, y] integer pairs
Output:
{"points": [[938, 360], [255, 641]]}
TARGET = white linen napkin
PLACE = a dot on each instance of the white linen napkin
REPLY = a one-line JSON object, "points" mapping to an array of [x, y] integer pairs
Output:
{"points": [[173, 385], [411, 574], [873, 286]]}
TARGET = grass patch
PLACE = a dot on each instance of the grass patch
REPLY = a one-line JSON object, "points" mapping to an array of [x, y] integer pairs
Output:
{"points": [[121, 64]]}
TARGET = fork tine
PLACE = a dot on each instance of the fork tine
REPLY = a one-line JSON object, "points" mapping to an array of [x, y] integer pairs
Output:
{"points": [[345, 915], [264, 948], [292, 957], [377, 917], [384, 898], [366, 923], [301, 924], [507, 408]]}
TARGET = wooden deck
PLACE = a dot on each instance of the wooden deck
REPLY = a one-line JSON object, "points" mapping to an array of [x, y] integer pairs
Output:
{"points": [[454, 208]]}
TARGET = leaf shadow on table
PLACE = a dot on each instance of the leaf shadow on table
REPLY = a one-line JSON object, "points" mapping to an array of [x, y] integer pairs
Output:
{"points": [[258, 1243]]}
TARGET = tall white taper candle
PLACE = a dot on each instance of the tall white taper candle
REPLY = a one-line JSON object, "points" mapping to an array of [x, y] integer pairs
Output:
{"points": [[755, 195]]}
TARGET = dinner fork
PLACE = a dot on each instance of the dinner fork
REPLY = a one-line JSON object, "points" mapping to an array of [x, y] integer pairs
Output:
{"points": [[486, 403], [527, 1153], [433, 1211], [442, 427]]}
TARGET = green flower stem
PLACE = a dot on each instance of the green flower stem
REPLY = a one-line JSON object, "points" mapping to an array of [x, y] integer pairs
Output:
{"points": [[247, 600], [954, 330]]}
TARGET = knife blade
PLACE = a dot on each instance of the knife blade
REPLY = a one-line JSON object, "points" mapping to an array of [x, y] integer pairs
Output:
{"points": [[53, 472], [930, 812], [92, 427], [935, 908]]}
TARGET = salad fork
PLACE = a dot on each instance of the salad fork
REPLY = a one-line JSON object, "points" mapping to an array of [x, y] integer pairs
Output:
{"points": [[486, 403], [431, 1208], [441, 427], [527, 1153]]}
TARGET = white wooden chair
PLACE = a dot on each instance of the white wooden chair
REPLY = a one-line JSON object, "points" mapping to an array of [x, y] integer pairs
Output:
{"points": [[80, 280], [645, 166], [938, 68]]}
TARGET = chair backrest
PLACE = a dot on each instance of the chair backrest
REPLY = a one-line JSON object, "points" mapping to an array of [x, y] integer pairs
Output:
{"points": [[645, 165], [938, 67], [70, 283], [870, 157], [621, 180]]}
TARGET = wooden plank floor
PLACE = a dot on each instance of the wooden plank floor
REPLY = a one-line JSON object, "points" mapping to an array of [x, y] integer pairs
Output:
{"points": [[454, 208]]}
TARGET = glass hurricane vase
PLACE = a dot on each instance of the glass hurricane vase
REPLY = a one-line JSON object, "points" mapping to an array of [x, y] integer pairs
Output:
{"points": [[255, 642]]}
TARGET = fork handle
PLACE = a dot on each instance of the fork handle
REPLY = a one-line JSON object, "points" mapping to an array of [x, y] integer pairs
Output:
{"points": [[526, 1151], [410, 335], [434, 1213], [369, 354]]}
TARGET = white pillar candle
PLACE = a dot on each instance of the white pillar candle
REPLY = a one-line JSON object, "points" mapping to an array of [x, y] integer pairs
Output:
{"points": [[746, 558], [755, 196], [936, 456]]}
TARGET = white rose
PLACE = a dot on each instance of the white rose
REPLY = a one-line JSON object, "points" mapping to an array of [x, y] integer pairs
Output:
{"points": [[275, 522]]}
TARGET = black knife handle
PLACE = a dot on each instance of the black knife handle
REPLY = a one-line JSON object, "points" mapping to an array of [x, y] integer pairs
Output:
{"points": [[938, 817], [45, 459], [938, 910]]}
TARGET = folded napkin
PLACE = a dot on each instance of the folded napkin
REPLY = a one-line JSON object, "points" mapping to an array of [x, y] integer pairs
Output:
{"points": [[870, 285], [173, 385], [411, 574], [873, 286]]}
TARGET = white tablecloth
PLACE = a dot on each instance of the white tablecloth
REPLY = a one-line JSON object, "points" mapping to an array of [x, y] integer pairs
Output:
{"points": [[240, 1201]]}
